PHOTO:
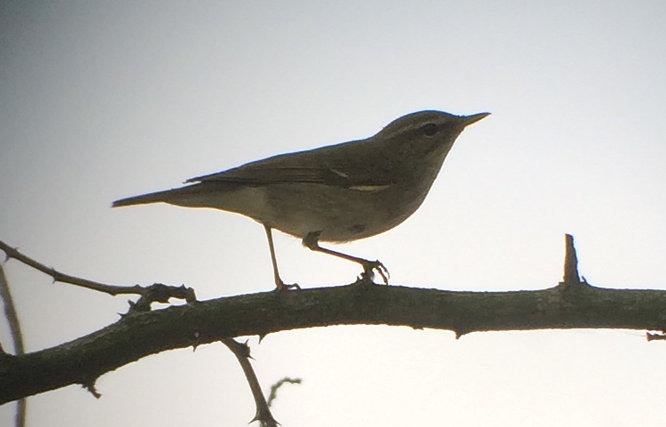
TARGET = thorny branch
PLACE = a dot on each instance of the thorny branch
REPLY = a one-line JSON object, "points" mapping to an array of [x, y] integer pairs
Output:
{"points": [[242, 353], [571, 304], [156, 292]]}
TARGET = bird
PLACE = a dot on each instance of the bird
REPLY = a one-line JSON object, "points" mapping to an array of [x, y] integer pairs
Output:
{"points": [[337, 193]]}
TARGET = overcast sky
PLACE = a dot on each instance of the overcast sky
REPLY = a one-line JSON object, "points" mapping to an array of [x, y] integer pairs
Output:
{"points": [[102, 100]]}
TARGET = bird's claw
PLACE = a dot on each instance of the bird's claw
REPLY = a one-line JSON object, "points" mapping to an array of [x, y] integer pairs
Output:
{"points": [[283, 287], [369, 268]]}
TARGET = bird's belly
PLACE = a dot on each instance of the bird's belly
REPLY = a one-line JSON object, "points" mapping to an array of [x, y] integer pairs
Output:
{"points": [[339, 214]]}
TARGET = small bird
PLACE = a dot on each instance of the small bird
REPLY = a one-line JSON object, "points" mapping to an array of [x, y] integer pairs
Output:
{"points": [[337, 193]]}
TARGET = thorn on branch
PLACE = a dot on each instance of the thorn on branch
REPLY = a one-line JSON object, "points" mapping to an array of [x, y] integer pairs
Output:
{"points": [[90, 386], [570, 261], [571, 276], [656, 336], [197, 337]]}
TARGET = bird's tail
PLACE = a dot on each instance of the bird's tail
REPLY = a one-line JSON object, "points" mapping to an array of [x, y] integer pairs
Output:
{"points": [[144, 199], [216, 195]]}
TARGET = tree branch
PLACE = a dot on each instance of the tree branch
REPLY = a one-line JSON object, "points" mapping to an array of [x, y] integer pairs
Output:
{"points": [[157, 292], [140, 334]]}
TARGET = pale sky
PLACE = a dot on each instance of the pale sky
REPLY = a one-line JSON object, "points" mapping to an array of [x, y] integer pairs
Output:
{"points": [[103, 100]]}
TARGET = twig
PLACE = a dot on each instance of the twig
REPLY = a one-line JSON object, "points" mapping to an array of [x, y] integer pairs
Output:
{"points": [[277, 385], [156, 292], [17, 337], [11, 314], [242, 353]]}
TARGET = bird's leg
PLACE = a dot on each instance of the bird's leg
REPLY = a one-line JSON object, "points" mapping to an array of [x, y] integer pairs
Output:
{"points": [[280, 285], [311, 241]]}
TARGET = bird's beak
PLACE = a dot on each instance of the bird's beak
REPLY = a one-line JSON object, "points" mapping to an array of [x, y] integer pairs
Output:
{"points": [[468, 120]]}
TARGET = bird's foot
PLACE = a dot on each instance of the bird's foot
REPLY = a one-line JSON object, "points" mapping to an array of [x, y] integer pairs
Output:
{"points": [[369, 268], [282, 287]]}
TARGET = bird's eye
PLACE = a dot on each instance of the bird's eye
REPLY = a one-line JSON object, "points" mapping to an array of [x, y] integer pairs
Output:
{"points": [[429, 129]]}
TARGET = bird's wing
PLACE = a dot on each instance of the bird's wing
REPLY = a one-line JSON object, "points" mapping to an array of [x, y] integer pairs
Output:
{"points": [[259, 175], [321, 166]]}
